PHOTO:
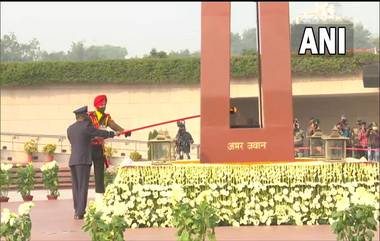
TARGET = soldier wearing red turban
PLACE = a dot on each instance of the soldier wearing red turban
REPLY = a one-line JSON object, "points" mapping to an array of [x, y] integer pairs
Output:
{"points": [[101, 120]]}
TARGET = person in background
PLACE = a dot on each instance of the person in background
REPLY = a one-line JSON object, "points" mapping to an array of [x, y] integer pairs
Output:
{"points": [[373, 142], [345, 131], [310, 127], [363, 140], [355, 139], [80, 134], [299, 136]]}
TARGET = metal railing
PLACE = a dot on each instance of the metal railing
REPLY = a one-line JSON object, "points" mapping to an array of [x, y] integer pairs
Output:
{"points": [[14, 142]]}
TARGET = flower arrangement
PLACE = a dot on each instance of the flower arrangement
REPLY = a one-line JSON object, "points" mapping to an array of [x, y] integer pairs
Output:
{"points": [[355, 218], [50, 178], [109, 175], [31, 147], [195, 225], [4, 180], [241, 194], [135, 156], [49, 149], [16, 226], [25, 181], [101, 226]]}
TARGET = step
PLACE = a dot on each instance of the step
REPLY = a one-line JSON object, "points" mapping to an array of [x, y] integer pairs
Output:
{"points": [[64, 178], [61, 186]]}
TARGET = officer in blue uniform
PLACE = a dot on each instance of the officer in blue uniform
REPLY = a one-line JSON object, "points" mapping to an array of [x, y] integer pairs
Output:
{"points": [[80, 134]]}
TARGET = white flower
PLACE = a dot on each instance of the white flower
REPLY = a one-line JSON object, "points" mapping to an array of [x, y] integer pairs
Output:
{"points": [[325, 204], [296, 206], [269, 221], [285, 191], [12, 219], [5, 215], [264, 204], [215, 193], [342, 203], [5, 167], [48, 166], [272, 190], [24, 208], [304, 208], [134, 225], [278, 198], [119, 208], [362, 196], [224, 192], [177, 193], [106, 219], [235, 224], [150, 202]]}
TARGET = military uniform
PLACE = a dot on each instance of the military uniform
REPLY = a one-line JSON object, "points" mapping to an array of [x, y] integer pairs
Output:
{"points": [[80, 134], [101, 120], [183, 141]]}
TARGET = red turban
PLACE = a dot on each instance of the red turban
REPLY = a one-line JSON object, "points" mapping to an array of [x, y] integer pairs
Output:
{"points": [[100, 100]]}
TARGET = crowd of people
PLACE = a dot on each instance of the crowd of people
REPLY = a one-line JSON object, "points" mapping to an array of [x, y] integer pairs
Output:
{"points": [[363, 139]]}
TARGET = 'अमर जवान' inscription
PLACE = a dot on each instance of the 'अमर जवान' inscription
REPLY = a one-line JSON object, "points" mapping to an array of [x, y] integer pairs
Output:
{"points": [[239, 146]]}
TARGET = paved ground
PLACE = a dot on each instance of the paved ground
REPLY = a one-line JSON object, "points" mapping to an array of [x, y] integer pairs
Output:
{"points": [[53, 220], [40, 195]]}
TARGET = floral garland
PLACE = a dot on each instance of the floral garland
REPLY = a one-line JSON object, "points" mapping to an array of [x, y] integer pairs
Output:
{"points": [[243, 195]]}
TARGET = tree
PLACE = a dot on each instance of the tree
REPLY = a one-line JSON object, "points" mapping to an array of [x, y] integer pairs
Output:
{"points": [[77, 52], [246, 42], [106, 52], [375, 42], [236, 45], [154, 54], [362, 37], [12, 50], [249, 40], [181, 53], [54, 56]]}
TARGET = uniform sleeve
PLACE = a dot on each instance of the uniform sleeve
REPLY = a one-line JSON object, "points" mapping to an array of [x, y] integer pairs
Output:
{"points": [[68, 136], [112, 124], [93, 132]]}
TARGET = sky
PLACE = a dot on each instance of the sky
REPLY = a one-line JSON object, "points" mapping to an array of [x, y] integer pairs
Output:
{"points": [[141, 26]]}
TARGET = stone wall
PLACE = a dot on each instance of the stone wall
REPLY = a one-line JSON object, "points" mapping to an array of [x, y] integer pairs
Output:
{"points": [[48, 109]]}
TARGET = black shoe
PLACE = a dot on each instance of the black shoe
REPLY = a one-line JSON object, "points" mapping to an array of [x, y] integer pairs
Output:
{"points": [[78, 217]]}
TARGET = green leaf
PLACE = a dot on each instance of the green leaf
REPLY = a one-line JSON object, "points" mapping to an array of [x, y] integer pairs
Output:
{"points": [[185, 236], [211, 236]]}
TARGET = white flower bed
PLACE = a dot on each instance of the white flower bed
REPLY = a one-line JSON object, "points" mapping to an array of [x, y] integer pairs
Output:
{"points": [[243, 195]]}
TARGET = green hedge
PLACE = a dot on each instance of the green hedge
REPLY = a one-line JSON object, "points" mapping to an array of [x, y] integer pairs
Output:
{"points": [[167, 70]]}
